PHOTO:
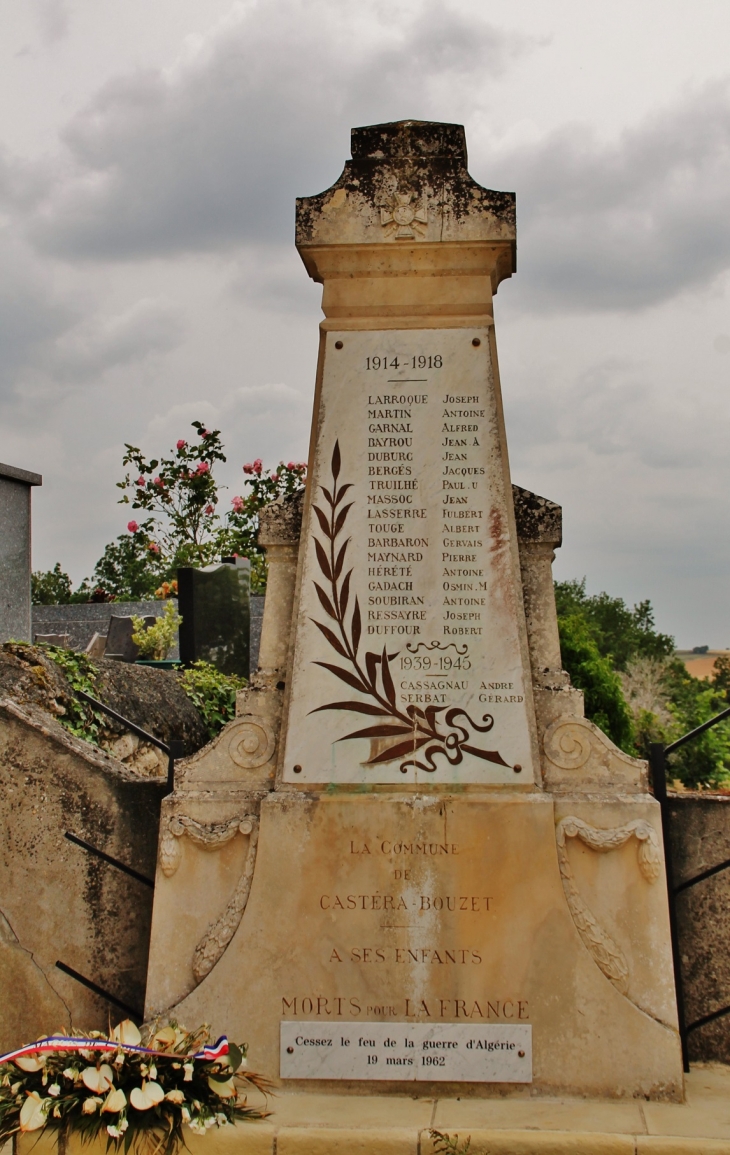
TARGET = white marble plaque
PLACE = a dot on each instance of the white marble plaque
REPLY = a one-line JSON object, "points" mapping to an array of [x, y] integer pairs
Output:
{"points": [[448, 1052], [407, 662]]}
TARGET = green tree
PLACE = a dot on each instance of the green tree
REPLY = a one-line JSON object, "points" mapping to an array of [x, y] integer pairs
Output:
{"points": [[619, 632], [593, 673], [132, 567], [50, 588], [635, 689]]}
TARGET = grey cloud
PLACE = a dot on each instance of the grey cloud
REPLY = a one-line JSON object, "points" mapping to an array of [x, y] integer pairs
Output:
{"points": [[102, 343], [628, 224], [215, 152], [31, 317], [53, 19]]}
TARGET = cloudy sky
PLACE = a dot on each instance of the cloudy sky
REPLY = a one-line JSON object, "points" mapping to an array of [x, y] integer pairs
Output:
{"points": [[150, 154]]}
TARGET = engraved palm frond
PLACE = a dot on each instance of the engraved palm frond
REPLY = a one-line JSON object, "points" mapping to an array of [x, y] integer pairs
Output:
{"points": [[419, 736]]}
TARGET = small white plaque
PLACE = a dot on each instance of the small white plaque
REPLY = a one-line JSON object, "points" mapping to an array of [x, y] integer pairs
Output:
{"points": [[449, 1052]]}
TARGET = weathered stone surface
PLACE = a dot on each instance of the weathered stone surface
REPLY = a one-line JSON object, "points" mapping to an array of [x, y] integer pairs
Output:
{"points": [[700, 838], [58, 902], [281, 522], [152, 699], [537, 518], [402, 908], [407, 180]]}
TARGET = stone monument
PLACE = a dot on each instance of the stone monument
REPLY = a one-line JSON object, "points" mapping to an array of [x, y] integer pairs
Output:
{"points": [[15, 488], [411, 861]]}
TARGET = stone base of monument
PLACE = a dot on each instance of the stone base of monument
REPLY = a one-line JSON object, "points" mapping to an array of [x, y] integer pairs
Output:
{"points": [[328, 1124], [396, 939]]}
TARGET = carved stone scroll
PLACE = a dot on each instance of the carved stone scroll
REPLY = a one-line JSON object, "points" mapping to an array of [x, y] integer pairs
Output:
{"points": [[580, 758], [219, 934], [607, 954]]}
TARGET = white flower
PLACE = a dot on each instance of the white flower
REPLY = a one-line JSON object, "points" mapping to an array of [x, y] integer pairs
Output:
{"points": [[153, 1072], [119, 1059], [54, 1090], [126, 1032], [115, 1101], [57, 1111], [15, 1088], [98, 1079], [124, 1123], [33, 1112], [221, 1119], [185, 1114], [188, 1068], [90, 1105], [175, 1096], [71, 1073], [29, 1062], [196, 1126], [146, 1096], [113, 1131]]}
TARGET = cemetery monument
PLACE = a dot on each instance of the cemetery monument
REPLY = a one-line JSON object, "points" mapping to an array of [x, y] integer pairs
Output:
{"points": [[410, 861], [15, 491]]}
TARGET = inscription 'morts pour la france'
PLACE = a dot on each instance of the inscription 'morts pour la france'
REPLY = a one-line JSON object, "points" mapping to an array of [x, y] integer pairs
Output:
{"points": [[407, 664]]}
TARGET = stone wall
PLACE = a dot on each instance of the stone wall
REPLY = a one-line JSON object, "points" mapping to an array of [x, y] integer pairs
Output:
{"points": [[700, 838], [57, 901], [82, 621]]}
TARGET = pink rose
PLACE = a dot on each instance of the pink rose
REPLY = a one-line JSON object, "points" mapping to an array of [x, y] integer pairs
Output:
{"points": [[153, 548], [258, 465], [181, 444], [204, 433], [209, 509], [203, 467], [248, 468], [159, 482], [237, 503], [132, 526], [291, 465], [140, 481]]}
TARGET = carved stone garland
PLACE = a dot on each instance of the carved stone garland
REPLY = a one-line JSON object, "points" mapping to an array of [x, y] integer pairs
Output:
{"points": [[212, 836], [607, 954]]}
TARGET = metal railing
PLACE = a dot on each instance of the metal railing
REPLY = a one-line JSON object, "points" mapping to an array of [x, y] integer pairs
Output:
{"points": [[174, 750], [658, 755]]}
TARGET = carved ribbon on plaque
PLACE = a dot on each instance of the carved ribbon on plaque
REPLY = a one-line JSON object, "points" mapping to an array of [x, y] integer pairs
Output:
{"points": [[606, 953], [212, 836]]}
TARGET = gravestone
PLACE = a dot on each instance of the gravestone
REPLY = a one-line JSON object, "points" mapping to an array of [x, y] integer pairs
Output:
{"points": [[214, 604], [428, 867], [15, 487], [119, 643]]}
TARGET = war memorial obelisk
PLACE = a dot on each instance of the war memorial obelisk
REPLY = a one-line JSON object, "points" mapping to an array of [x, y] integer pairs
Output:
{"points": [[410, 861]]}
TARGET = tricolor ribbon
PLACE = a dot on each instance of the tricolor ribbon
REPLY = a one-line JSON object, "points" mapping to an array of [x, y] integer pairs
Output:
{"points": [[75, 1043]]}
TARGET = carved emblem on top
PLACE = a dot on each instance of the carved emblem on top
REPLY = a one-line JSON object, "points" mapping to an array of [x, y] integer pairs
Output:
{"points": [[409, 220], [398, 170]]}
